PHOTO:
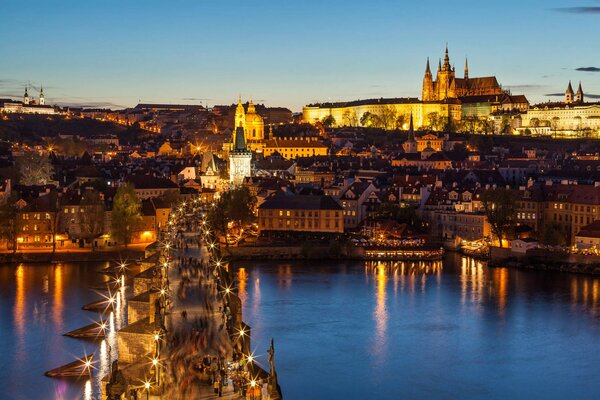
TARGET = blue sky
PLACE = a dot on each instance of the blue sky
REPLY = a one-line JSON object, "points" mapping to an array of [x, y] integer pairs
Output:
{"points": [[285, 53]]}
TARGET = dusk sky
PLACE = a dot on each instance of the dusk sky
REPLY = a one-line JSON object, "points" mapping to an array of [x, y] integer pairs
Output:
{"points": [[285, 53]]}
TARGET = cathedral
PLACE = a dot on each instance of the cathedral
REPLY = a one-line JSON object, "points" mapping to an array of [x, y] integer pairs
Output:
{"points": [[447, 86]]}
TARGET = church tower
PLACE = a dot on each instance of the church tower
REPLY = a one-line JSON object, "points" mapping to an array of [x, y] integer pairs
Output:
{"points": [[569, 94], [579, 96], [410, 146], [427, 94], [240, 158], [42, 99], [466, 69], [26, 97], [240, 115]]}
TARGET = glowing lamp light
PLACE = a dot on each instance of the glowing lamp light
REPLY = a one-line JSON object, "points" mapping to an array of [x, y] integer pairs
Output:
{"points": [[252, 383], [156, 337], [250, 358], [154, 361], [147, 385]]}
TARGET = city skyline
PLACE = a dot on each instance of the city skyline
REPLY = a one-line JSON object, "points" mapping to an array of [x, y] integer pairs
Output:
{"points": [[285, 55]]}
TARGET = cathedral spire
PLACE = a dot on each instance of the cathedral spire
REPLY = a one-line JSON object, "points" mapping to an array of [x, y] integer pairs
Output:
{"points": [[427, 69], [411, 129], [466, 68], [446, 60], [439, 65]]}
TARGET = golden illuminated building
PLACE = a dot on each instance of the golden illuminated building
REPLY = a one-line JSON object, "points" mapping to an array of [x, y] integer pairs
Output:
{"points": [[255, 140], [445, 97]]}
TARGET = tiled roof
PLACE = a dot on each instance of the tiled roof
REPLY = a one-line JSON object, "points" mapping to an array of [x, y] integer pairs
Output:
{"points": [[300, 202]]}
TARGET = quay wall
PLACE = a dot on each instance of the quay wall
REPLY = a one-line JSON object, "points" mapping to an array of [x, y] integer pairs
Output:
{"points": [[571, 263], [62, 256]]}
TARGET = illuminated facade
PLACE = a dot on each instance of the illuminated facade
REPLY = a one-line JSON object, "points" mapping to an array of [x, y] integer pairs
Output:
{"points": [[569, 117], [448, 86], [443, 97], [295, 147], [240, 158], [28, 105]]}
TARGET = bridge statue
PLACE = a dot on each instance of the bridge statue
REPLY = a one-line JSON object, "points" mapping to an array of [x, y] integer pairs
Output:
{"points": [[117, 384], [274, 391]]}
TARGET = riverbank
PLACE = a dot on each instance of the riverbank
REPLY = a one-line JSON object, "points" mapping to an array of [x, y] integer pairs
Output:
{"points": [[131, 252], [332, 251], [559, 262]]}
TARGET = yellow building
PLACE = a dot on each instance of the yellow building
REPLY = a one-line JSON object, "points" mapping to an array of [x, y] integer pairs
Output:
{"points": [[572, 117], [251, 121], [300, 213], [291, 148], [442, 98]]}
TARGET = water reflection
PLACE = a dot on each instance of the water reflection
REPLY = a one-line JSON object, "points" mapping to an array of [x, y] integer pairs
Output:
{"points": [[380, 314], [57, 308], [242, 277], [19, 312]]}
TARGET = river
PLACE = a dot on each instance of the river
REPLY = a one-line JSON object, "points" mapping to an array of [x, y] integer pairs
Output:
{"points": [[348, 330]]}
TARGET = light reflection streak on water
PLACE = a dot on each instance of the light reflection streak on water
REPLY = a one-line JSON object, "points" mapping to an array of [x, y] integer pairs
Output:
{"points": [[242, 282], [19, 312], [380, 314], [87, 394], [57, 309]]}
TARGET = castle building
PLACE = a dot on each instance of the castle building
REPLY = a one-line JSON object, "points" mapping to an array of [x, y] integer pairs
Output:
{"points": [[240, 158], [445, 97]]}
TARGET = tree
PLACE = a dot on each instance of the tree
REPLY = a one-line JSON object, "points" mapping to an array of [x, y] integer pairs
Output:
{"points": [[553, 235], [126, 216], [387, 117], [371, 120], [366, 119], [349, 118], [499, 206], [34, 169], [400, 121], [91, 216], [435, 122], [240, 206], [328, 121], [8, 227], [171, 197], [236, 205]]}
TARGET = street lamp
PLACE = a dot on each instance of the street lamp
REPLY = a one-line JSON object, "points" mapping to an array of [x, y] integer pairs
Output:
{"points": [[147, 386]]}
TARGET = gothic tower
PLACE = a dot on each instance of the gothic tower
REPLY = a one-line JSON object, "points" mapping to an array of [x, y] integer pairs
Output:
{"points": [[427, 94], [569, 94], [410, 146], [240, 158], [466, 69], [579, 95]]}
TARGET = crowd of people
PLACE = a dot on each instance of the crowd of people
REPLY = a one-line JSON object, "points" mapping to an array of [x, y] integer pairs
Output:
{"points": [[204, 349]]}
